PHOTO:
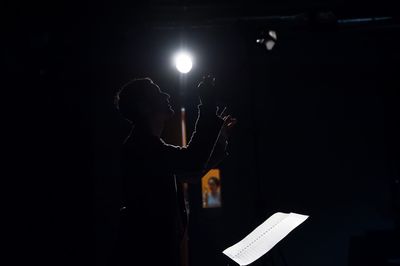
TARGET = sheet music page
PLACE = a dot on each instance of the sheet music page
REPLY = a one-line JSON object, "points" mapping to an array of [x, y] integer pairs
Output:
{"points": [[264, 237]]}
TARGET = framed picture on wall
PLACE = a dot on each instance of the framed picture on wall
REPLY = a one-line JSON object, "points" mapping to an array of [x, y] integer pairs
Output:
{"points": [[211, 189]]}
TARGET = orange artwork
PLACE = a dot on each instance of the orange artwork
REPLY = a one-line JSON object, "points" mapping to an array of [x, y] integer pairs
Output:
{"points": [[211, 189]]}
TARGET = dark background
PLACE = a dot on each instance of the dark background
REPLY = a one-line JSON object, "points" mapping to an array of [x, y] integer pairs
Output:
{"points": [[317, 132]]}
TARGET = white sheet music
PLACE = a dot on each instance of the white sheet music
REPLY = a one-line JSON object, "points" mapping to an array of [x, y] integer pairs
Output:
{"points": [[264, 237]]}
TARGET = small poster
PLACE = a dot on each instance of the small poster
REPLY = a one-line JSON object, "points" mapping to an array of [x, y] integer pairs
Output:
{"points": [[211, 189]]}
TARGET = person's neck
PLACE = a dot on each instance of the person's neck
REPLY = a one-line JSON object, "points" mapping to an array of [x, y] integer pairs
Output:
{"points": [[153, 127]]}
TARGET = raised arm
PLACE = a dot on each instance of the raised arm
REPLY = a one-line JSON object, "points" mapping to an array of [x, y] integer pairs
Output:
{"points": [[193, 158], [207, 145]]}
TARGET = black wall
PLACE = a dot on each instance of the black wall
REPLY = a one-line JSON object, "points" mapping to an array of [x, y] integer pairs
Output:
{"points": [[317, 133]]}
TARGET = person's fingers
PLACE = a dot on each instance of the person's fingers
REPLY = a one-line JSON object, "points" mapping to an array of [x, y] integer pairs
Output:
{"points": [[226, 120], [222, 114], [231, 119], [232, 122], [230, 125]]}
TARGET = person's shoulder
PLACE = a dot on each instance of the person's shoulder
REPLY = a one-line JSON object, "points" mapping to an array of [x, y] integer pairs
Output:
{"points": [[169, 146], [162, 142]]}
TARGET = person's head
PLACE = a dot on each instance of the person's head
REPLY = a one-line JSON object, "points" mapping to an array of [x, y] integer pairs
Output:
{"points": [[141, 100], [213, 184]]}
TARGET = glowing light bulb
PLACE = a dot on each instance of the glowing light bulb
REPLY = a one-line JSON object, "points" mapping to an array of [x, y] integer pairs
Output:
{"points": [[183, 62]]}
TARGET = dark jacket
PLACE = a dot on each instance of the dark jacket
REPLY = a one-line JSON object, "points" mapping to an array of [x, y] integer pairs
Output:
{"points": [[152, 224]]}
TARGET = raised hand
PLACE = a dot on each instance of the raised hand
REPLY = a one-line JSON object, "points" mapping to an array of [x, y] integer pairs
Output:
{"points": [[206, 91], [227, 126]]}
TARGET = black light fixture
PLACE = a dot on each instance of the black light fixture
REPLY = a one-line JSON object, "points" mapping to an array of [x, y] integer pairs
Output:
{"points": [[268, 39]]}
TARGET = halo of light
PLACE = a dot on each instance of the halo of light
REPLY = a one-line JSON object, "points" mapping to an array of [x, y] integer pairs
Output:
{"points": [[183, 62]]}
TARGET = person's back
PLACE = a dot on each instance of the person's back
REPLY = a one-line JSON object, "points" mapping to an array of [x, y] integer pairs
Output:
{"points": [[149, 219]]}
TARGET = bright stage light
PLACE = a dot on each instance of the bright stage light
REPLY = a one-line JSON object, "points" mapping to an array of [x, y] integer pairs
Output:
{"points": [[183, 62]]}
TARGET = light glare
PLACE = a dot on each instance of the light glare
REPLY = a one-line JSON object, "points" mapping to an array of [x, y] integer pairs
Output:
{"points": [[183, 62]]}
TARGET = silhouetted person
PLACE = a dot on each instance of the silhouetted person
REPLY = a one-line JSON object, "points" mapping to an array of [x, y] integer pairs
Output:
{"points": [[152, 223]]}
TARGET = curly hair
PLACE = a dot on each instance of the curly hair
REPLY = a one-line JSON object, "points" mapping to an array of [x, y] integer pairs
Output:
{"points": [[129, 97]]}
